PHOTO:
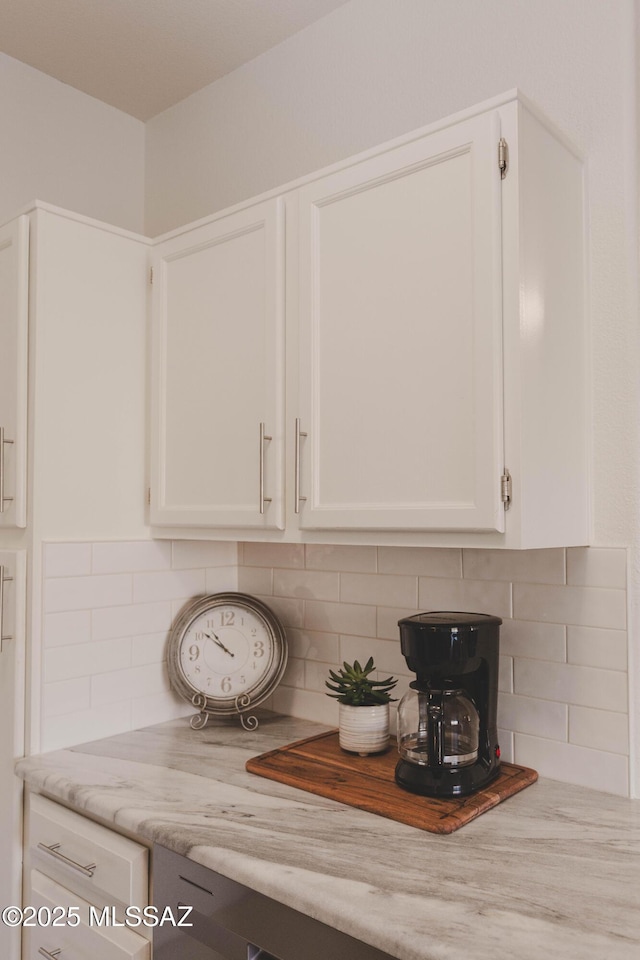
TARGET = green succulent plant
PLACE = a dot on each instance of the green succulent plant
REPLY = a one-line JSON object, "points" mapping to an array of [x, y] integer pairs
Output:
{"points": [[351, 685]]}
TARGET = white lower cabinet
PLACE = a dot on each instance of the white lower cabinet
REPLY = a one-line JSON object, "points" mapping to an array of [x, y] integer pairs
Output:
{"points": [[70, 940], [436, 365], [91, 874]]}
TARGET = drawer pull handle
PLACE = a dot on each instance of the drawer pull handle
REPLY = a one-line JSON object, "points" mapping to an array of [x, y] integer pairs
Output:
{"points": [[263, 439], [192, 883], [297, 495], [53, 849], [3, 580], [50, 955], [3, 499]]}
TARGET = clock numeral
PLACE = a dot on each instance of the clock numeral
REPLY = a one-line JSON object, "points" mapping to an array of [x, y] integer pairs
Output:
{"points": [[194, 652], [226, 684], [227, 618], [258, 648]]}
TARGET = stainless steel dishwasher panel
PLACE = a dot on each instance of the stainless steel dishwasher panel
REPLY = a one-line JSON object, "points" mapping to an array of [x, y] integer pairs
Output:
{"points": [[233, 922]]}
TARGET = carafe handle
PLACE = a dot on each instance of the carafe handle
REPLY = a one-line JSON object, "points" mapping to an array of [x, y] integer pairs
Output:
{"points": [[436, 730]]}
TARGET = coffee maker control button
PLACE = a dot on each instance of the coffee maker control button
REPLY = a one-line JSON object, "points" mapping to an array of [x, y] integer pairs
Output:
{"points": [[497, 751]]}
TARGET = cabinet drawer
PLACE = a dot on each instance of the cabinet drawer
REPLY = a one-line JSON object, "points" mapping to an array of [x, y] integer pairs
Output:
{"points": [[76, 942], [91, 859]]}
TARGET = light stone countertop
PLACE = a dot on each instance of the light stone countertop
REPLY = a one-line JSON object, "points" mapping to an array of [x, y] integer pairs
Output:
{"points": [[551, 872]]}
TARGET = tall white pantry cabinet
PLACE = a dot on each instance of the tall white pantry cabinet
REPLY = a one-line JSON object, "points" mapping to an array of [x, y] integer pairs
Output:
{"points": [[389, 351], [73, 296]]}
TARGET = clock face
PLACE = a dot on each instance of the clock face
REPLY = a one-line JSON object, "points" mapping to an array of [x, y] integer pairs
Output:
{"points": [[226, 647]]}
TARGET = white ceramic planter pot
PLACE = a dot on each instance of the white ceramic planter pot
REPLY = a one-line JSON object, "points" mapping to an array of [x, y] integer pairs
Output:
{"points": [[364, 730]]}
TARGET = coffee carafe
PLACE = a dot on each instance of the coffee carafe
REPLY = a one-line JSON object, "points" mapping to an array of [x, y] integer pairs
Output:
{"points": [[447, 731]]}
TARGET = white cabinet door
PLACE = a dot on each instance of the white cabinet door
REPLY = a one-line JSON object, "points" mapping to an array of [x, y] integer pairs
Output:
{"points": [[400, 380], [12, 680], [14, 287], [218, 378]]}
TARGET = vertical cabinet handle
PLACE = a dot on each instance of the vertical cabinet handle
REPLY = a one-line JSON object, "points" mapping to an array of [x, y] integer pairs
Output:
{"points": [[263, 439], [299, 433], [3, 579], [3, 499]]}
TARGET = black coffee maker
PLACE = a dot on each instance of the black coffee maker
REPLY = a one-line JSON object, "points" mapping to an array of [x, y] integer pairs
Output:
{"points": [[447, 732]]}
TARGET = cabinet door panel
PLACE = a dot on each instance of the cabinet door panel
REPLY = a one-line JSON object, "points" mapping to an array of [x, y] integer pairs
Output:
{"points": [[14, 286], [401, 374], [217, 366]]}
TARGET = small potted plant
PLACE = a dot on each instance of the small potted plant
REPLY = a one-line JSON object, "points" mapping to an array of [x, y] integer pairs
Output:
{"points": [[364, 707]]}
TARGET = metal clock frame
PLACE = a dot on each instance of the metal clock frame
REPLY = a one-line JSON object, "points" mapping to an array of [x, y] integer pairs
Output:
{"points": [[235, 705]]}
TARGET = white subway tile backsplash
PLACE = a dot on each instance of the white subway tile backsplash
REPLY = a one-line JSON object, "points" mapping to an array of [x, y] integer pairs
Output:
{"points": [[529, 566], [583, 606], [599, 729], [574, 764], [107, 611], [420, 561], [190, 554], [593, 647], [169, 585], [352, 618], [108, 608], [66, 696], [131, 619], [536, 641], [157, 708], [148, 648], [306, 584], [85, 593], [294, 673], [131, 556], [118, 685], [67, 559], [386, 654], [473, 596], [565, 682], [341, 558], [273, 555], [86, 659], [393, 591], [256, 580], [541, 718], [221, 579], [82, 726], [313, 645], [597, 567], [63, 629]]}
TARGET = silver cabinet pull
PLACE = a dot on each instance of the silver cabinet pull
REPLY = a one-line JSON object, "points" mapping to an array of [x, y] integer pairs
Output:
{"points": [[298, 498], [53, 849], [50, 954], [263, 438], [3, 499], [3, 579]]}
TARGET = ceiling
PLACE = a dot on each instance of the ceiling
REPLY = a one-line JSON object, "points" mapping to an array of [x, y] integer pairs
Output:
{"points": [[143, 56]]}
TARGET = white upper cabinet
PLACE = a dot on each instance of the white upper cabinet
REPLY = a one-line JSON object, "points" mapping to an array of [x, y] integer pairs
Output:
{"points": [[436, 349], [401, 338], [14, 289], [218, 373]]}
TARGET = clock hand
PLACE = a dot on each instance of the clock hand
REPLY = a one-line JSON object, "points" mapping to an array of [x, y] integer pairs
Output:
{"points": [[217, 640]]}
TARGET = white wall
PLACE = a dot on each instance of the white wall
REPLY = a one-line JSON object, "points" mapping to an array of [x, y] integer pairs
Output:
{"points": [[375, 69], [68, 149]]}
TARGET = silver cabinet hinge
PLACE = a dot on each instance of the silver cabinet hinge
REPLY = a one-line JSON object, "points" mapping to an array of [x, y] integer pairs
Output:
{"points": [[151, 275], [505, 489], [148, 496], [503, 157]]}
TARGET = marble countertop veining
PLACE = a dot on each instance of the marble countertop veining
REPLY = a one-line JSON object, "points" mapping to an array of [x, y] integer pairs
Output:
{"points": [[553, 871]]}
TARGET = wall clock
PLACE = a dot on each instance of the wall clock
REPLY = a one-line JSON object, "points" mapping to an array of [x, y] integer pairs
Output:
{"points": [[227, 653]]}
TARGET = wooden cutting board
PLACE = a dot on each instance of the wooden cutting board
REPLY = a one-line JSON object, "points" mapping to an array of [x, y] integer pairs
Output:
{"points": [[318, 765]]}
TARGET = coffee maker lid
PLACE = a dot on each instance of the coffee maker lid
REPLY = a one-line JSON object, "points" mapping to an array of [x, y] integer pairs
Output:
{"points": [[448, 619]]}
